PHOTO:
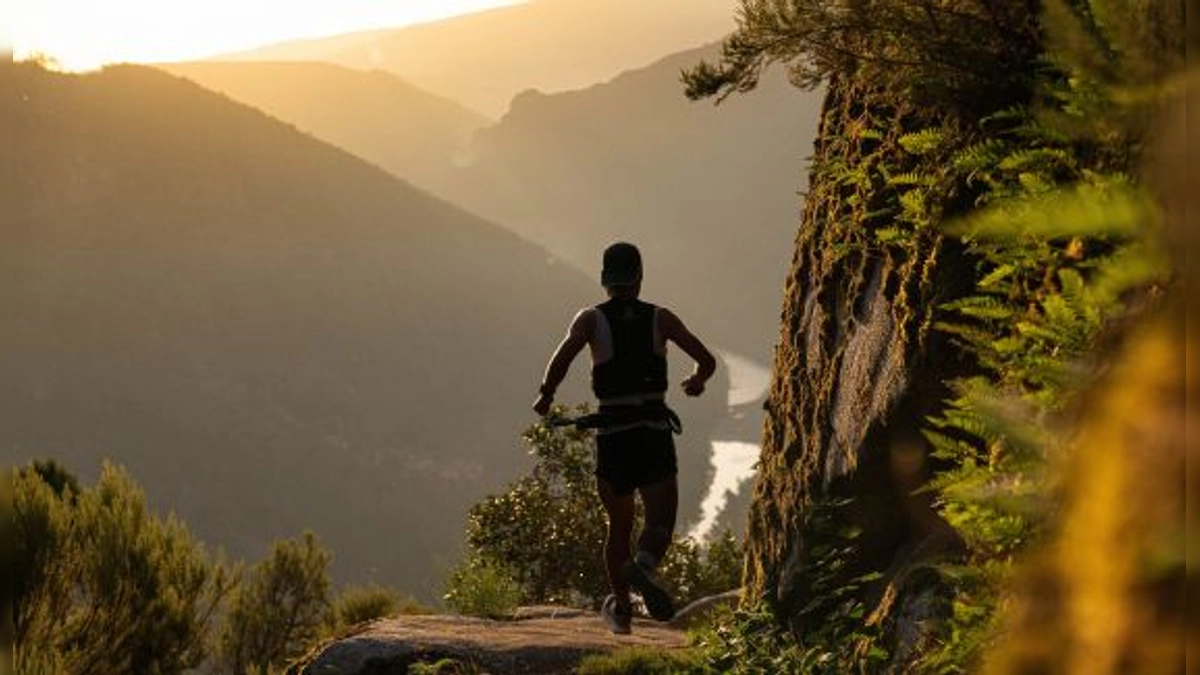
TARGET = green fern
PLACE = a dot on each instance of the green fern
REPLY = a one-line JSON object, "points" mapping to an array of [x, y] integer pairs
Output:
{"points": [[922, 142]]}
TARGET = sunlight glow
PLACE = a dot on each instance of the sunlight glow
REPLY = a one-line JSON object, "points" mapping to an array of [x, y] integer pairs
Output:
{"points": [[84, 34]]}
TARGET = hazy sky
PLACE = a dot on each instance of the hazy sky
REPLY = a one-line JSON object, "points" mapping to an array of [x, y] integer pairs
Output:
{"points": [[84, 34]]}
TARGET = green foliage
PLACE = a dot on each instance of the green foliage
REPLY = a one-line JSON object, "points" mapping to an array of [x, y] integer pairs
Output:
{"points": [[7, 569], [644, 661], [750, 641], [1044, 135], [548, 528], [360, 604], [279, 608], [1063, 241], [970, 51], [831, 632], [102, 585], [974, 621], [547, 531], [483, 587], [922, 142], [692, 570], [60, 480]]}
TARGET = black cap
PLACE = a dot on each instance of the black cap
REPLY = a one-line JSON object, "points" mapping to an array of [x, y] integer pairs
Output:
{"points": [[622, 265]]}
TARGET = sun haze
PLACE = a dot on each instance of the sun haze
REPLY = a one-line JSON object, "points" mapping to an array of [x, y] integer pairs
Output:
{"points": [[84, 34]]}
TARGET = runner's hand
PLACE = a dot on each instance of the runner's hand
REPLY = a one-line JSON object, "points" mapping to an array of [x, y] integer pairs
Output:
{"points": [[693, 386], [542, 405]]}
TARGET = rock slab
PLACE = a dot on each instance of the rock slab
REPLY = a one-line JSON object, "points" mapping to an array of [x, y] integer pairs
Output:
{"points": [[539, 640]]}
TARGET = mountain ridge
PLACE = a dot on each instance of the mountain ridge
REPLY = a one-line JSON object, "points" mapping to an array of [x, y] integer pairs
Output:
{"points": [[551, 46], [375, 115], [709, 192], [270, 333]]}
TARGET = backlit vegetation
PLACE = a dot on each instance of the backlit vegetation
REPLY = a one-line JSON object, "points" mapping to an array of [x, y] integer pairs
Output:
{"points": [[104, 585], [1026, 145], [541, 541]]}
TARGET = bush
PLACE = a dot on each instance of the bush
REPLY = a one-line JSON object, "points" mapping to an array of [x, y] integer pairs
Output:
{"points": [[692, 570], [548, 528], [279, 609], [359, 604], [547, 532], [7, 570], [482, 587], [102, 585]]}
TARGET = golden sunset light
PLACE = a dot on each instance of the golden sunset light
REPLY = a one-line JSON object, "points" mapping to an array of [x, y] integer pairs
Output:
{"points": [[82, 35], [597, 336]]}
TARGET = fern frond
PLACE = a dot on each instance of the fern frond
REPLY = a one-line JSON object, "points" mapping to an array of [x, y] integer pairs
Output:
{"points": [[923, 141], [985, 154], [991, 279], [1037, 158], [909, 178], [1085, 210], [981, 307]]}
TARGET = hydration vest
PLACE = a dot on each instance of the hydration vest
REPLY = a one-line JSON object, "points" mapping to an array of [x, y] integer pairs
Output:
{"points": [[635, 369]]}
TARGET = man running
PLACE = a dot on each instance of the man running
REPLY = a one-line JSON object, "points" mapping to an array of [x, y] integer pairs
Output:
{"points": [[635, 451]]}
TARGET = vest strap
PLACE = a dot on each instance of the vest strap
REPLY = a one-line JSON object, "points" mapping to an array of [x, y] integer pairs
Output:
{"points": [[634, 399]]}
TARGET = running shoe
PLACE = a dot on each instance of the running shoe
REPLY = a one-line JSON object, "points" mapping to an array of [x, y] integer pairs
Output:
{"points": [[618, 621], [658, 601]]}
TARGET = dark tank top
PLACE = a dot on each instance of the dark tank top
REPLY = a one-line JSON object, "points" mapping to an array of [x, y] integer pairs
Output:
{"points": [[635, 366]]}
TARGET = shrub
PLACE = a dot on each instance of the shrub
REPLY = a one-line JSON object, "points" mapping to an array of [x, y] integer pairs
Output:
{"points": [[482, 587], [547, 532], [359, 604], [7, 570], [693, 570], [279, 609], [547, 528], [103, 585]]}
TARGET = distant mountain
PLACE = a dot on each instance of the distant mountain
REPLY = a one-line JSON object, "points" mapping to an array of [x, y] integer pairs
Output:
{"points": [[710, 192], [270, 333], [484, 59], [378, 116]]}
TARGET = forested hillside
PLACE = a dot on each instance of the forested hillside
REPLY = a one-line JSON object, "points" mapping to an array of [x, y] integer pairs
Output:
{"points": [[269, 333]]}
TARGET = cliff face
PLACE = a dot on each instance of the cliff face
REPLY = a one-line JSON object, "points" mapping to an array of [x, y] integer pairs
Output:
{"points": [[857, 368], [843, 543]]}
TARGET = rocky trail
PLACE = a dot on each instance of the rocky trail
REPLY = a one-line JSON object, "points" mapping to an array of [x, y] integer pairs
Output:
{"points": [[539, 640]]}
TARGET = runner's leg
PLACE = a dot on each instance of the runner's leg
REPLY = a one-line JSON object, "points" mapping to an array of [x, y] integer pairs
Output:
{"points": [[620, 510], [661, 502]]}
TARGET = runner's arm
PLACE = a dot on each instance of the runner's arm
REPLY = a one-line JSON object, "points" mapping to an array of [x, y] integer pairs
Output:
{"points": [[578, 335], [674, 330]]}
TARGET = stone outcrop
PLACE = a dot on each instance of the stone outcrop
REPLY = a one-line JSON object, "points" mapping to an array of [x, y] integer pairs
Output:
{"points": [[539, 640]]}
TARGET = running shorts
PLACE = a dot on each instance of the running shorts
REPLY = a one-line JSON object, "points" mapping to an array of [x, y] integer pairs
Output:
{"points": [[634, 458]]}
